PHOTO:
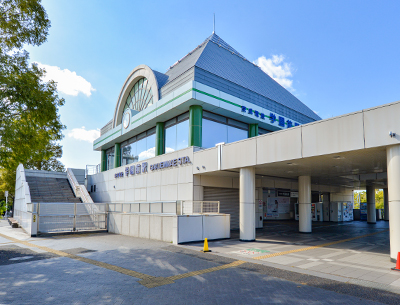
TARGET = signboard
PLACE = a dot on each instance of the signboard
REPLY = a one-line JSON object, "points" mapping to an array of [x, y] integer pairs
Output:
{"points": [[278, 205], [272, 117], [139, 168], [294, 194], [283, 194]]}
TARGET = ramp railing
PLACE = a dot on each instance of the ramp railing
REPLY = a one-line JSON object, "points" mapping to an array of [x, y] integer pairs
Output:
{"points": [[79, 190]]}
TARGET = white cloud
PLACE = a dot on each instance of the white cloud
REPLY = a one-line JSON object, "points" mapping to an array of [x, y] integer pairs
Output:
{"points": [[277, 68], [68, 81], [84, 135], [150, 153]]}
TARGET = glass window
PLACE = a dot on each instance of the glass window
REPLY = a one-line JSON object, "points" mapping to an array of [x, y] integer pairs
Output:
{"points": [[110, 158], [217, 129], [150, 147], [262, 131], [128, 154], [236, 134], [140, 96], [177, 136], [138, 148], [213, 133], [141, 149], [182, 135], [170, 139]]}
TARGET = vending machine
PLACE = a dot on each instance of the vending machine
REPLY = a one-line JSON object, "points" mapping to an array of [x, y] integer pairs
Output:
{"points": [[336, 211], [317, 211], [363, 211], [325, 207], [348, 211]]}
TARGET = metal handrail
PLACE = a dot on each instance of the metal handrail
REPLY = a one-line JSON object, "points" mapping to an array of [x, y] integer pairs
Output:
{"points": [[79, 190], [73, 182]]}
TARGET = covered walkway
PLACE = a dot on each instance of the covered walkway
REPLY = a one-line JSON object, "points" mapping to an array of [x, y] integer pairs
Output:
{"points": [[352, 252]]}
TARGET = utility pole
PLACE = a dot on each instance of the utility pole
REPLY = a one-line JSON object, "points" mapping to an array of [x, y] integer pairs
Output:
{"points": [[6, 194]]}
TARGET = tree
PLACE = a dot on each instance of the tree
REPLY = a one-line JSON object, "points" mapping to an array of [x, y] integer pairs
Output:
{"points": [[30, 125], [379, 198], [361, 196], [22, 21]]}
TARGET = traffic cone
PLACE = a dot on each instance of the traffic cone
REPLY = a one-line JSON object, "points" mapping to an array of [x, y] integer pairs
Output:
{"points": [[397, 268], [205, 248]]}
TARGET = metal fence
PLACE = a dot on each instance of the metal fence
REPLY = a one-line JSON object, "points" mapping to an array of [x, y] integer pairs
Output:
{"points": [[200, 207], [166, 207], [92, 170], [157, 207], [69, 217]]}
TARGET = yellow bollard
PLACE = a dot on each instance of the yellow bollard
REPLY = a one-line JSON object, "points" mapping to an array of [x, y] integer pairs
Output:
{"points": [[205, 248]]}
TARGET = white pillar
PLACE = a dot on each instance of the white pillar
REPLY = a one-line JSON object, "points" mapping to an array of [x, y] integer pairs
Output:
{"points": [[247, 201], [393, 175], [385, 204], [371, 209], [305, 204]]}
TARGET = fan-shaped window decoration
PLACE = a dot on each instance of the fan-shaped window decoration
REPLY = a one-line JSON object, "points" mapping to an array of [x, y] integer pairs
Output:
{"points": [[140, 96]]}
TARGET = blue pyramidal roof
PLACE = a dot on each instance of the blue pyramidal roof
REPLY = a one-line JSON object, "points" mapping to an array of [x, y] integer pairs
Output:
{"points": [[217, 57]]}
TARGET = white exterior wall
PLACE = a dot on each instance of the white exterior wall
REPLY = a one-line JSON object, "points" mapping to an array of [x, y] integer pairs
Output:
{"points": [[22, 197], [170, 228], [172, 183]]}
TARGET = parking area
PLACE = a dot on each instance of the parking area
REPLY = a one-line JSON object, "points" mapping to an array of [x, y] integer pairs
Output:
{"points": [[352, 252], [102, 268]]}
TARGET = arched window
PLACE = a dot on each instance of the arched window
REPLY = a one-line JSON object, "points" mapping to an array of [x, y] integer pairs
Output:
{"points": [[140, 96]]}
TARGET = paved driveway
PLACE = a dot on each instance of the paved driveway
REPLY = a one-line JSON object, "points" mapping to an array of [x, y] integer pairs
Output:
{"points": [[114, 269]]}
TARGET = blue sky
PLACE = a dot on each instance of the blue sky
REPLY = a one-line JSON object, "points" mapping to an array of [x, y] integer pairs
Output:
{"points": [[335, 56]]}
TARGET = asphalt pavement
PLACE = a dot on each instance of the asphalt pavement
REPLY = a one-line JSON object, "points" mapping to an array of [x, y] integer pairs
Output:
{"points": [[102, 268]]}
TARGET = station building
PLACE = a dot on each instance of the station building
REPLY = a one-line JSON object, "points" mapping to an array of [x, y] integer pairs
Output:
{"points": [[215, 127]]}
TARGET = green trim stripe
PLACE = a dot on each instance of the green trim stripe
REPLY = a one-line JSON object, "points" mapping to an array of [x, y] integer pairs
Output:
{"points": [[187, 91], [175, 98], [106, 137], [216, 97]]}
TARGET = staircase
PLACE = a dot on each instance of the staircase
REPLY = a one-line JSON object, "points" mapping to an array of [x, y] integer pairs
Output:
{"points": [[46, 189]]}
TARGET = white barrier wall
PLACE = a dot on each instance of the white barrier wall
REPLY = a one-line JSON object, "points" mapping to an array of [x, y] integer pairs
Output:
{"points": [[166, 184], [170, 228], [22, 197]]}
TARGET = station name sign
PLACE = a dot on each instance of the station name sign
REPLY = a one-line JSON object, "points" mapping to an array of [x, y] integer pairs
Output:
{"points": [[272, 117], [142, 168]]}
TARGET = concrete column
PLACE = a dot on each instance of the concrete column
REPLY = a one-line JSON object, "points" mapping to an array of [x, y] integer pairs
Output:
{"points": [[247, 198], [305, 204], [253, 130], [160, 134], [117, 155], [385, 204], [371, 208], [103, 164], [393, 175], [195, 125]]}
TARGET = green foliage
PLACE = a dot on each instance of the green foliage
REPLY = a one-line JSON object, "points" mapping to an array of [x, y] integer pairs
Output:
{"points": [[379, 199], [22, 21], [29, 121], [3, 207], [362, 197]]}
